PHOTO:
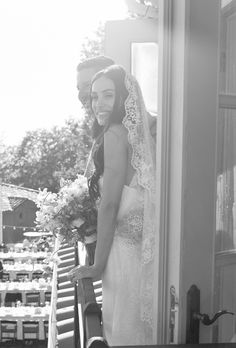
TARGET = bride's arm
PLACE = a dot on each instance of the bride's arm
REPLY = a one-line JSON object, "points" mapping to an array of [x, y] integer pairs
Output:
{"points": [[115, 170]]}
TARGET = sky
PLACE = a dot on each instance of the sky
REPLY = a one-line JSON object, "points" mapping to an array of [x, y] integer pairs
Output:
{"points": [[40, 43]]}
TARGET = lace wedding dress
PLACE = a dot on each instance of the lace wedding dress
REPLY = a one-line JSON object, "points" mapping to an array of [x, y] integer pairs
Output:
{"points": [[121, 281], [129, 281]]}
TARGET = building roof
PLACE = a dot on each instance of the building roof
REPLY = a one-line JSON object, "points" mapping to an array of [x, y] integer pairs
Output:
{"points": [[11, 196], [15, 201]]}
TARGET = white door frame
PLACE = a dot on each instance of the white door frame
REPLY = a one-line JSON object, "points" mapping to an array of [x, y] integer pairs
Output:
{"points": [[193, 99]]}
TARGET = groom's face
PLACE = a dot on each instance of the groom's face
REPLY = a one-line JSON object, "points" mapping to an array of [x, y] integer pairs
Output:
{"points": [[84, 78]]}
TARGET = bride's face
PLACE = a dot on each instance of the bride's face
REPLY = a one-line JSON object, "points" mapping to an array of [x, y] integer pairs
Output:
{"points": [[103, 99]]}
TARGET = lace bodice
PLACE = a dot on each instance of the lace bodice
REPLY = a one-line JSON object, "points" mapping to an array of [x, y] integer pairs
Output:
{"points": [[130, 214]]}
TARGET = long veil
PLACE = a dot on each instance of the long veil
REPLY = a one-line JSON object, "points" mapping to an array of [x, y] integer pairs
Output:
{"points": [[143, 161]]}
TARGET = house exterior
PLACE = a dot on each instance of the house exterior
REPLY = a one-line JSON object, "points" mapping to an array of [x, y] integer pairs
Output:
{"points": [[18, 212]]}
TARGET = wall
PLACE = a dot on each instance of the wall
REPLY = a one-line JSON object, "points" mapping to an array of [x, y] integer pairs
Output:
{"points": [[23, 215]]}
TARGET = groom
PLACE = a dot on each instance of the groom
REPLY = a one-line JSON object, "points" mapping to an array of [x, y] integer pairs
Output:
{"points": [[85, 72]]}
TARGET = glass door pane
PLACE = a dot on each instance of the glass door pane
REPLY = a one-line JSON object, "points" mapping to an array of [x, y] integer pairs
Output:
{"points": [[228, 48], [225, 238], [226, 180], [145, 54]]}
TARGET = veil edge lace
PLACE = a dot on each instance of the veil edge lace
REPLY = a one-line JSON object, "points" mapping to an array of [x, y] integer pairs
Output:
{"points": [[143, 161]]}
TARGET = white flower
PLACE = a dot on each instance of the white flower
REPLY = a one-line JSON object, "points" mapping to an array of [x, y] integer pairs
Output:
{"points": [[77, 222], [56, 210]]}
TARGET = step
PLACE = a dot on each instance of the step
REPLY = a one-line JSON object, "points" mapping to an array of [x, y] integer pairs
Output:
{"points": [[63, 251], [65, 325], [67, 262], [66, 339], [65, 301], [65, 285], [63, 277], [66, 292], [65, 313], [65, 269], [70, 254]]}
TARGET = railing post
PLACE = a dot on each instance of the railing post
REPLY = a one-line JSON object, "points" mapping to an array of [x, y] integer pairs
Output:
{"points": [[97, 342], [76, 314], [91, 313]]}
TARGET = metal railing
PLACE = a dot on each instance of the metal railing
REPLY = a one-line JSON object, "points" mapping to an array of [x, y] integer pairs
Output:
{"points": [[90, 313], [87, 309], [52, 330]]}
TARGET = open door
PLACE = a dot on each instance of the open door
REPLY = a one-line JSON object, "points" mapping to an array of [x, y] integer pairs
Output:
{"points": [[180, 67], [225, 237], [201, 204]]}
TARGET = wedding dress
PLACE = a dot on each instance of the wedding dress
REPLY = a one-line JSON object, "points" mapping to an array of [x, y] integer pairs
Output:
{"points": [[121, 279], [129, 279]]}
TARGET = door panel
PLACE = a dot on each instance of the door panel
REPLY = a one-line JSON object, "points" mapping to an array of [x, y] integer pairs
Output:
{"points": [[225, 238]]}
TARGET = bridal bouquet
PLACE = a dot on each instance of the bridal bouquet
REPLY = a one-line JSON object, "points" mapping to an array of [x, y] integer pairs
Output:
{"points": [[70, 214]]}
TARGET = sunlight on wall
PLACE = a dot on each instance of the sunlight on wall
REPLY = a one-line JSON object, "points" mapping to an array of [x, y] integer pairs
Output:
{"points": [[225, 2], [146, 55]]}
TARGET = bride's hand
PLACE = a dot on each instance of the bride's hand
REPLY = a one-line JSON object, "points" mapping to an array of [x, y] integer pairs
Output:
{"points": [[80, 272]]}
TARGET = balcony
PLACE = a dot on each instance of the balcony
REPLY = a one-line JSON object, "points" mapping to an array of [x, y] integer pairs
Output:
{"points": [[75, 319], [76, 310]]}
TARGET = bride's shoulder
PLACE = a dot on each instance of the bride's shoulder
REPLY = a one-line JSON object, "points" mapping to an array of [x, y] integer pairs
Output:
{"points": [[117, 132]]}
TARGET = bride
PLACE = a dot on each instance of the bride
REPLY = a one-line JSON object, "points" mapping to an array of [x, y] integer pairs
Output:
{"points": [[124, 185]]}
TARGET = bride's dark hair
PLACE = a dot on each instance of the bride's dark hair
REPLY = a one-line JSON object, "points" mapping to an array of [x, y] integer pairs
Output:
{"points": [[116, 73]]}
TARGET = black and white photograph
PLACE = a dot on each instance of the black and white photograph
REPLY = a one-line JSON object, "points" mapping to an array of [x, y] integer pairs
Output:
{"points": [[117, 173]]}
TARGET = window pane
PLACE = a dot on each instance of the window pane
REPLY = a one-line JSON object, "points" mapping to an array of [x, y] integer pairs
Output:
{"points": [[228, 50], [226, 182], [144, 66], [225, 242]]}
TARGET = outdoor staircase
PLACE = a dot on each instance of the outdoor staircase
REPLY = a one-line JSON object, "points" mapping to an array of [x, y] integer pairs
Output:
{"points": [[65, 298]]}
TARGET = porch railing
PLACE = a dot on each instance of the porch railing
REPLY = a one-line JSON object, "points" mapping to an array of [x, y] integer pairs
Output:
{"points": [[89, 296], [86, 315], [90, 315], [52, 339]]}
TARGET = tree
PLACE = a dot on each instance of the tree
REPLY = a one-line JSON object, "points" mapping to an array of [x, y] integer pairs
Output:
{"points": [[93, 45], [8, 168], [46, 156]]}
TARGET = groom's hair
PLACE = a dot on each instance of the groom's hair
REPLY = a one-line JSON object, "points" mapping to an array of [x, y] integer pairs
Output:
{"points": [[98, 63]]}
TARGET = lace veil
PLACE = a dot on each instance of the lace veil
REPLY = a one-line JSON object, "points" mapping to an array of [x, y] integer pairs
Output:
{"points": [[143, 161]]}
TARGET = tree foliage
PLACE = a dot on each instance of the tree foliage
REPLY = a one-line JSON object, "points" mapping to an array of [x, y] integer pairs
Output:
{"points": [[91, 47], [45, 156], [94, 44]]}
